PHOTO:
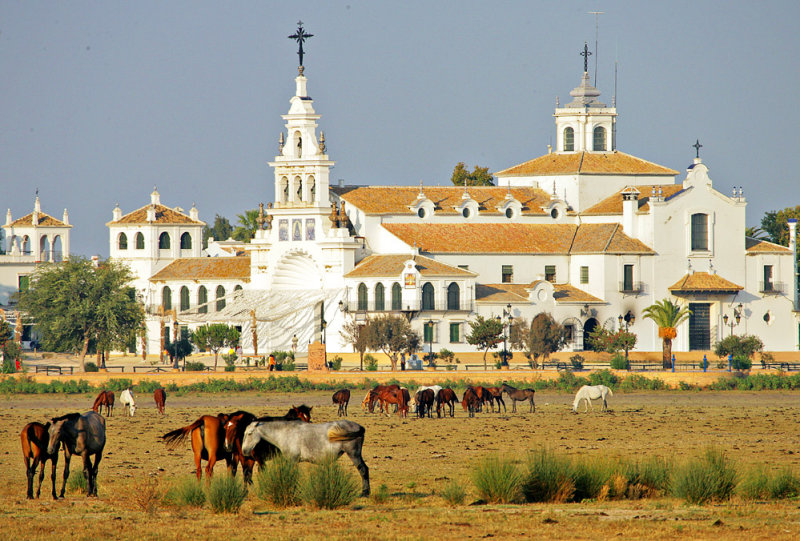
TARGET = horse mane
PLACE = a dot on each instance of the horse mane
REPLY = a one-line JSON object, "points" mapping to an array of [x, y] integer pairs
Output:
{"points": [[67, 417]]}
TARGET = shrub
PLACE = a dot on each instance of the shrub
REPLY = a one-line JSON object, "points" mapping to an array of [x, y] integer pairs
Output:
{"points": [[618, 362], [336, 363], [370, 363], [148, 494], [230, 362], [604, 377], [328, 485], [77, 482], [279, 482], [188, 492], [90, 367], [453, 493], [381, 495], [9, 366], [226, 493], [648, 477], [446, 355], [760, 483], [740, 362], [711, 477], [577, 362], [146, 386], [549, 478], [591, 477], [498, 480], [118, 384], [194, 366]]}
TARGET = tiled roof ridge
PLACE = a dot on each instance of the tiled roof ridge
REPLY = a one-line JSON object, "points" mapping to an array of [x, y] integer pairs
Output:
{"points": [[611, 237], [574, 236]]}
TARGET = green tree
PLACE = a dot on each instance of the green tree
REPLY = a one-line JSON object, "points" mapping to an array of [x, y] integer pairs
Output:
{"points": [[603, 339], [221, 230], [543, 337], [667, 315], [479, 176], [741, 347], [247, 226], [391, 335], [485, 333], [214, 337], [73, 303], [357, 336], [179, 350], [9, 348], [775, 224]]}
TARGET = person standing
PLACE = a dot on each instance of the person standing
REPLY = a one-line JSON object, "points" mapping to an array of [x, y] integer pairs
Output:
{"points": [[294, 343], [402, 361], [271, 362]]}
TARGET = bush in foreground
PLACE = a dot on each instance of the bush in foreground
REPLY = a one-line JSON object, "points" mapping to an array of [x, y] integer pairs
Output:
{"points": [[278, 482], [328, 485], [549, 477], [760, 483], [648, 478], [77, 482], [226, 493], [498, 481], [188, 492], [709, 478], [453, 493]]}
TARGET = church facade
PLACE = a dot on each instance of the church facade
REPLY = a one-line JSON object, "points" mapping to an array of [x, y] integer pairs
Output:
{"points": [[586, 233]]}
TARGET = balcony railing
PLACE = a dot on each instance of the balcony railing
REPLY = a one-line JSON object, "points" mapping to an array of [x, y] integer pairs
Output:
{"points": [[630, 287], [463, 306], [771, 288]]}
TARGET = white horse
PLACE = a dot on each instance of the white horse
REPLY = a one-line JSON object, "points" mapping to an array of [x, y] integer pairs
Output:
{"points": [[126, 399], [589, 393]]}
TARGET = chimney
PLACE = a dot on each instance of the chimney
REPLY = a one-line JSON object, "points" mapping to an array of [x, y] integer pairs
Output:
{"points": [[630, 204], [151, 213], [65, 217], [116, 214], [793, 248]]}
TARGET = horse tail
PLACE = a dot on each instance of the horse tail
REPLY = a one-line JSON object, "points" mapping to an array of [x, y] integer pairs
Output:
{"points": [[172, 439], [339, 432], [610, 392]]}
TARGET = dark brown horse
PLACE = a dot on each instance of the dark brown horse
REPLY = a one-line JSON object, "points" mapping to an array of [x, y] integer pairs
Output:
{"points": [[519, 395], [424, 400], [105, 398], [448, 398], [495, 394], [373, 396], [342, 398], [83, 435], [160, 396], [470, 401], [34, 439], [482, 394], [389, 394]]}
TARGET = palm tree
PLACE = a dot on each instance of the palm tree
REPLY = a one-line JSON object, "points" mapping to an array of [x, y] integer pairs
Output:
{"points": [[247, 227], [667, 315]]}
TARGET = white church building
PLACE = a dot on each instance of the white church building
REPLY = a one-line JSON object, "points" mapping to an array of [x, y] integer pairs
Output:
{"points": [[585, 232]]}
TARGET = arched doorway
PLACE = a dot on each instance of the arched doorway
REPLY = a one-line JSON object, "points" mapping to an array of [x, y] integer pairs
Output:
{"points": [[590, 325]]}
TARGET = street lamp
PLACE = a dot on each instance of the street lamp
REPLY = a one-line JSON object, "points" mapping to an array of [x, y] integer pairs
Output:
{"points": [[628, 319], [324, 326], [737, 316], [507, 323], [430, 341]]}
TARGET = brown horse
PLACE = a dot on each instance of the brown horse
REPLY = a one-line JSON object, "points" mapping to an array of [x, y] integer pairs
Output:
{"points": [[424, 400], [482, 394], [234, 432], [374, 394], [446, 397], [160, 396], [470, 401], [389, 394], [519, 395], [207, 437], [495, 394], [34, 439], [105, 398], [342, 398]]}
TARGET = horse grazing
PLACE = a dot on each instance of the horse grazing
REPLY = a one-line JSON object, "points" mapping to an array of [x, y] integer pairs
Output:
{"points": [[470, 401], [389, 394], [207, 437], [342, 398], [127, 401], [424, 400], [519, 395], [589, 393], [482, 395], [83, 435], [105, 398], [34, 439], [446, 397], [495, 394], [311, 441], [160, 396]]}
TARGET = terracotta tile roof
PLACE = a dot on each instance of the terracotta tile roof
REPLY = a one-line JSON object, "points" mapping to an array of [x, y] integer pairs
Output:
{"points": [[205, 268], [587, 163], [518, 238], [393, 265], [396, 199], [518, 293], [45, 220], [703, 281], [613, 204], [164, 215], [755, 246]]}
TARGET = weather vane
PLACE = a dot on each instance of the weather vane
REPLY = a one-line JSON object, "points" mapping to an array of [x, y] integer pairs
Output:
{"points": [[300, 36], [585, 54], [697, 146]]}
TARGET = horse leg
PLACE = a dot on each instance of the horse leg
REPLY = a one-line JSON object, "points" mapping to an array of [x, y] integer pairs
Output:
{"points": [[54, 464], [87, 473], [30, 473], [67, 458], [95, 468], [500, 399], [41, 478], [532, 409], [354, 453]]}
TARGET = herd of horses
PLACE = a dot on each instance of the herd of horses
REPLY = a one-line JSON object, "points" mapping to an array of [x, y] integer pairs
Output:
{"points": [[241, 438]]}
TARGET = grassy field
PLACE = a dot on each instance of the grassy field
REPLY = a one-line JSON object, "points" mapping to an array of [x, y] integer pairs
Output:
{"points": [[415, 459]]}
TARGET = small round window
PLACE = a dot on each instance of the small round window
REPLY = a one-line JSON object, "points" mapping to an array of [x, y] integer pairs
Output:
{"points": [[509, 213], [768, 317], [554, 214], [421, 213], [465, 213]]}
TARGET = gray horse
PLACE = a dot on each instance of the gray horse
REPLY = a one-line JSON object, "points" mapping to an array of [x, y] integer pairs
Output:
{"points": [[83, 435], [311, 441]]}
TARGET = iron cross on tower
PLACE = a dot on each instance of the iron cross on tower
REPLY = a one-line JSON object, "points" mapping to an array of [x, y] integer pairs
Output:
{"points": [[697, 146], [300, 36], [585, 54]]}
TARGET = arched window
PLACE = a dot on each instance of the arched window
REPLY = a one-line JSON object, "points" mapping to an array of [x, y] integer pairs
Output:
{"points": [[312, 189], [220, 298], [427, 297], [453, 297], [166, 298], [569, 139], [397, 297], [44, 248], [26, 245], [122, 241], [284, 195], [58, 254], [186, 241], [299, 148], [362, 297], [599, 138], [184, 298], [237, 288], [379, 297], [139, 241], [202, 299], [699, 231], [163, 241], [298, 187]]}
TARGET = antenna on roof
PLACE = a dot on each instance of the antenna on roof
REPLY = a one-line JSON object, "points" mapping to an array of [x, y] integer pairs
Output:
{"points": [[596, 39]]}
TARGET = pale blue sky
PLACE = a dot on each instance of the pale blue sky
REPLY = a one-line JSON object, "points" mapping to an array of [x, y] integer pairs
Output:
{"points": [[103, 100]]}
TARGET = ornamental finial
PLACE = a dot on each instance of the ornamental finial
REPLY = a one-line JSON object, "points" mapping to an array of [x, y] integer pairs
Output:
{"points": [[300, 36]]}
